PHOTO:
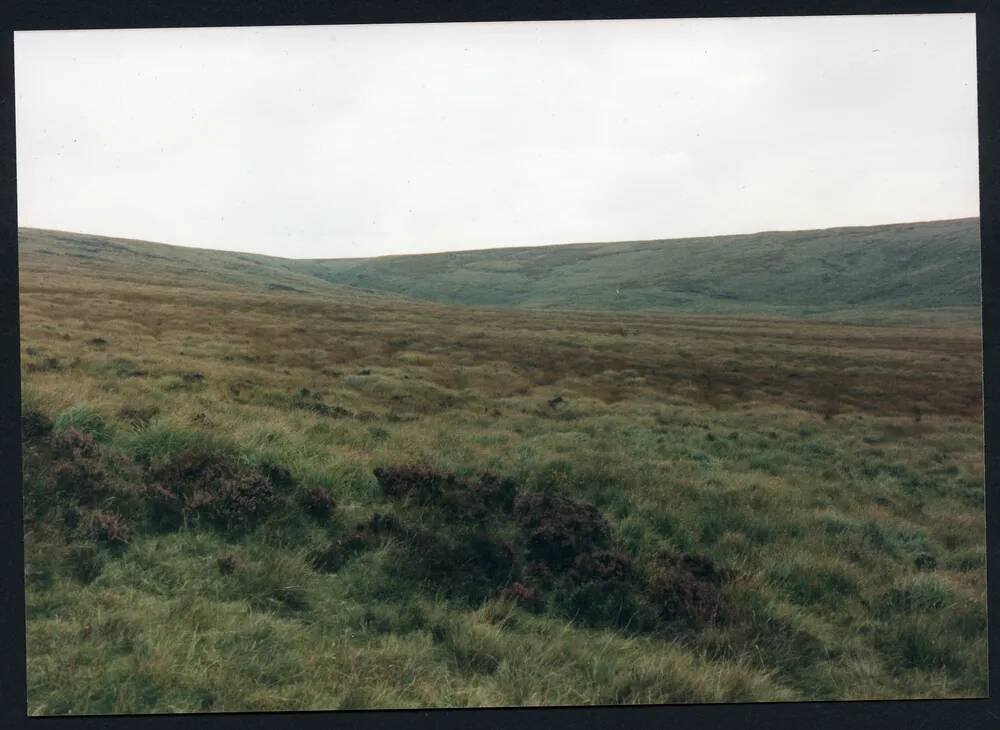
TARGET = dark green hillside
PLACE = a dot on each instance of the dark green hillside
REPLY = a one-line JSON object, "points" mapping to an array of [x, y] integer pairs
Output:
{"points": [[851, 273], [896, 274]]}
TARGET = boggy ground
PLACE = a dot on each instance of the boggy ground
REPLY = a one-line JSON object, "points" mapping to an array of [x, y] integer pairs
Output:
{"points": [[244, 501]]}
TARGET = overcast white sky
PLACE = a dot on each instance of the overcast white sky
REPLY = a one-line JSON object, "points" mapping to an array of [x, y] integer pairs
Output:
{"points": [[335, 141]]}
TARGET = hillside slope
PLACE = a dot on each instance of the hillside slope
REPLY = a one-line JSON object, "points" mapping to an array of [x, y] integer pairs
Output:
{"points": [[847, 272], [906, 273], [125, 260]]}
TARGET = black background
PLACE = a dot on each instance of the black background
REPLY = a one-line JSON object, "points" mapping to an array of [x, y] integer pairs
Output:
{"points": [[68, 14]]}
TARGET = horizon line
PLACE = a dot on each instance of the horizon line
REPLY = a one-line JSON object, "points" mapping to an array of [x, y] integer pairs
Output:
{"points": [[501, 248]]}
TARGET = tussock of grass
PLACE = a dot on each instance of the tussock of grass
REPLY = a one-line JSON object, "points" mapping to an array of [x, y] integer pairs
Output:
{"points": [[85, 419]]}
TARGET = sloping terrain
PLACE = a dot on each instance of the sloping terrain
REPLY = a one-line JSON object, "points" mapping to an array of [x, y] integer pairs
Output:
{"points": [[125, 260], [849, 273], [909, 273]]}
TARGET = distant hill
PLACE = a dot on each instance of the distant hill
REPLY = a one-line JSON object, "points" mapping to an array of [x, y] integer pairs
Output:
{"points": [[110, 257], [916, 272], [848, 271]]}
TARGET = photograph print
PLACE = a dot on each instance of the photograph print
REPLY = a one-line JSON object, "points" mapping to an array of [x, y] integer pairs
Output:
{"points": [[501, 364]]}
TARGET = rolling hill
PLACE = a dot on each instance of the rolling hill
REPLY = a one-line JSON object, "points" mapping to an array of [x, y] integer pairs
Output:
{"points": [[836, 271], [893, 273]]}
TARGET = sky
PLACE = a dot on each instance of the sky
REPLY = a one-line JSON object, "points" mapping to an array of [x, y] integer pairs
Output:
{"points": [[348, 141]]}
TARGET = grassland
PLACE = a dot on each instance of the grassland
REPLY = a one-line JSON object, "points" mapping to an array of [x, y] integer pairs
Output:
{"points": [[913, 273], [869, 274], [830, 477]]}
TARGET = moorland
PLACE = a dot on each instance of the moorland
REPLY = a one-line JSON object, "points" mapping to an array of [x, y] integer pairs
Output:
{"points": [[722, 470]]}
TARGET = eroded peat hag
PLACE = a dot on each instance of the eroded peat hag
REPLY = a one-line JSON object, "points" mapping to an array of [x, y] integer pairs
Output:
{"points": [[334, 498]]}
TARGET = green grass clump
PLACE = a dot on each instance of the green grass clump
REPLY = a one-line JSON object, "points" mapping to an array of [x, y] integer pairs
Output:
{"points": [[83, 418]]}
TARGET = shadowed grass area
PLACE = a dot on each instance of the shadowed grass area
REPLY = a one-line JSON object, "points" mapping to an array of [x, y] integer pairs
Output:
{"points": [[240, 497]]}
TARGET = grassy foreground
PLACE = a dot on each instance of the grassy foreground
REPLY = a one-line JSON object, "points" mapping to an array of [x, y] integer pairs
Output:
{"points": [[683, 509]]}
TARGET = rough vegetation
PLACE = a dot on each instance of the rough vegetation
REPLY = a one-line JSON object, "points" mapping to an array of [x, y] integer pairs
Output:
{"points": [[510, 508], [876, 273], [192, 485], [901, 273]]}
